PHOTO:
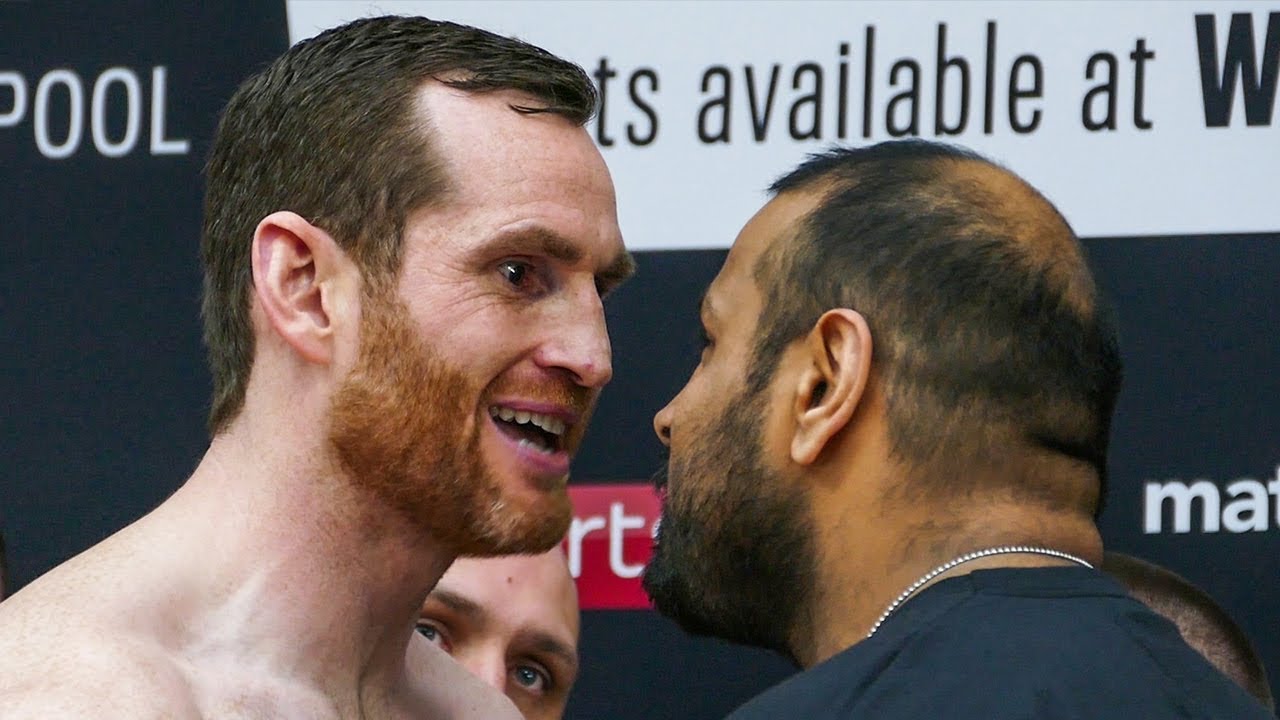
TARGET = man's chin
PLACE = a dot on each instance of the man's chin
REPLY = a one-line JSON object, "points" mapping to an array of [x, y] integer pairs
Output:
{"points": [[667, 587], [673, 598], [525, 522]]}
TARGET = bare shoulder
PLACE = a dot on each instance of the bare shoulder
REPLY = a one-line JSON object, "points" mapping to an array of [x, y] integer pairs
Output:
{"points": [[71, 670], [94, 680], [441, 687]]}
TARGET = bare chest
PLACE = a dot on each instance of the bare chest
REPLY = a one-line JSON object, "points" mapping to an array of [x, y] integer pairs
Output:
{"points": [[242, 694]]}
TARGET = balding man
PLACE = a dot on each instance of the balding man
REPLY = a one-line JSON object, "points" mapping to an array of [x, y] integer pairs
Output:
{"points": [[1200, 620], [513, 622], [887, 462]]}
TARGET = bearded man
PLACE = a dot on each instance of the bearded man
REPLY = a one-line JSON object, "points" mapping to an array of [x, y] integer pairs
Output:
{"points": [[888, 460], [407, 238]]}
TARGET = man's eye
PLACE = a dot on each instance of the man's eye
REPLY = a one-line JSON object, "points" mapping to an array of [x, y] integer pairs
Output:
{"points": [[514, 271], [531, 678], [432, 633]]}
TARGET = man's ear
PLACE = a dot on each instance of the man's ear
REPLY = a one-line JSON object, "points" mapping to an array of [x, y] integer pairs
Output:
{"points": [[838, 354], [299, 280]]}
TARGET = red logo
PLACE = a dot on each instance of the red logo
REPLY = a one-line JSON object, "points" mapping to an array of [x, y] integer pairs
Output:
{"points": [[610, 542]]}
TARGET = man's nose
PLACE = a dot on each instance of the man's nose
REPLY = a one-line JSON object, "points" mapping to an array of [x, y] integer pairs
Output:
{"points": [[662, 425], [490, 668], [579, 343]]}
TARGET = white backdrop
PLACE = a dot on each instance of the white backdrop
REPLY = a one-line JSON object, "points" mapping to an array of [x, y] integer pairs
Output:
{"points": [[1174, 177]]}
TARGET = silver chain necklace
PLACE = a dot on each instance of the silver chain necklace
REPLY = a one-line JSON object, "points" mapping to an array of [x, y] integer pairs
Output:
{"points": [[968, 557]]}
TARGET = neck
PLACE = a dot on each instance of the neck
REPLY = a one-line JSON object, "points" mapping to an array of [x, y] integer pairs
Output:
{"points": [[863, 572], [288, 563]]}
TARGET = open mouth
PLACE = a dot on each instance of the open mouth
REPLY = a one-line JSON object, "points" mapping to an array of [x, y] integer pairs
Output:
{"points": [[543, 433]]}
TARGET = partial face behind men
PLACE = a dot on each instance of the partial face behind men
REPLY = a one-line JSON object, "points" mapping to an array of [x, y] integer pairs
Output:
{"points": [[733, 556], [513, 622], [481, 364]]}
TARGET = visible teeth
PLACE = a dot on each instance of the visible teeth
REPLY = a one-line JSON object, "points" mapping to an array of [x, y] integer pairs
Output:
{"points": [[553, 425], [504, 413], [526, 443]]}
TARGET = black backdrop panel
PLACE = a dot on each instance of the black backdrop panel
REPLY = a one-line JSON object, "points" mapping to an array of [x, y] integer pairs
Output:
{"points": [[1201, 401], [636, 664], [101, 372]]}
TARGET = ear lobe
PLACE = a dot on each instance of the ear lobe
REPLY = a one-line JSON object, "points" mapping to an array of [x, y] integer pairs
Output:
{"points": [[838, 351], [294, 265]]}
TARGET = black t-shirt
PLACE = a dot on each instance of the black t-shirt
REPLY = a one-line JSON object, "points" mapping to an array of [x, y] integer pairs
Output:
{"points": [[1058, 642]]}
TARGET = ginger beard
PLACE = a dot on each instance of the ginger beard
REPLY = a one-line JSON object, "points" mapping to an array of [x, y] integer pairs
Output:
{"points": [[399, 427]]}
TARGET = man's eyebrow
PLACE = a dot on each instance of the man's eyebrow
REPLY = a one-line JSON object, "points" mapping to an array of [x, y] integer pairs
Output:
{"points": [[615, 273], [525, 239], [457, 603]]}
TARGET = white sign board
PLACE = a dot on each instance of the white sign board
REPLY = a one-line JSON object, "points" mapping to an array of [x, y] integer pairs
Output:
{"points": [[1117, 111]]}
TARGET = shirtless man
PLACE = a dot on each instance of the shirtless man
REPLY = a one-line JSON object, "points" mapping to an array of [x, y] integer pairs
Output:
{"points": [[407, 238], [513, 622]]}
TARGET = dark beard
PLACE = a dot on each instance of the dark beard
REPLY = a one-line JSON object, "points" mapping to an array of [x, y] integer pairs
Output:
{"points": [[733, 557], [396, 426]]}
